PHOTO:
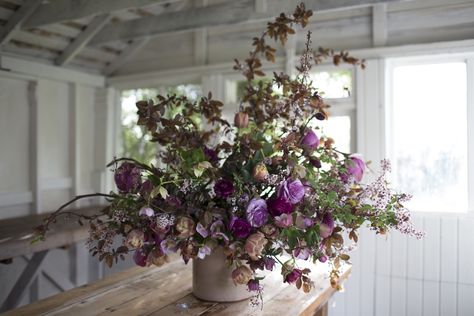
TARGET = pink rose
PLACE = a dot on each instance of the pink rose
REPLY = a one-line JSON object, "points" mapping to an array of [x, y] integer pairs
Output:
{"points": [[242, 275], [185, 227], [157, 257], [135, 239], [254, 245], [284, 220]]}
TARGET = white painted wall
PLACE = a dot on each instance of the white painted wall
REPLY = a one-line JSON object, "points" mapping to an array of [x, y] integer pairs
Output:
{"points": [[396, 275], [54, 128]]}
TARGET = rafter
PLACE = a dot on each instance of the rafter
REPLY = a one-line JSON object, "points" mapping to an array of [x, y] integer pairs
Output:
{"points": [[66, 10], [126, 54], [227, 13], [17, 19], [81, 41]]}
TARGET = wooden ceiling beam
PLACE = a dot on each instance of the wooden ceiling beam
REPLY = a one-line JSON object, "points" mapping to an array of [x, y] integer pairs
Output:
{"points": [[67, 10], [82, 39], [134, 47], [17, 19], [227, 13]]}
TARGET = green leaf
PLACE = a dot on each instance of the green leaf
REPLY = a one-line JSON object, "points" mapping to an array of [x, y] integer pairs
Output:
{"points": [[159, 190], [201, 167], [163, 192]]}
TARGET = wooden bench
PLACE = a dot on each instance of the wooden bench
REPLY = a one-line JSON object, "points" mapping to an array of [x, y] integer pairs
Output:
{"points": [[16, 235], [166, 291]]}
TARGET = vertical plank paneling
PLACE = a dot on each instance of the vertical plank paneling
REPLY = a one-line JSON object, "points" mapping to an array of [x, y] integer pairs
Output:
{"points": [[337, 306], [367, 268], [414, 292], [431, 267], [352, 293], [465, 267], [465, 300], [449, 253], [382, 279], [398, 274]]}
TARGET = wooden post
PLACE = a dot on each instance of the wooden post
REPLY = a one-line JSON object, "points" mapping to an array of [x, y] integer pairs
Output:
{"points": [[26, 278], [323, 311]]}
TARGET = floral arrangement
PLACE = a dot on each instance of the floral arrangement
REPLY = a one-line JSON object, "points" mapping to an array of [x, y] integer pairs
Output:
{"points": [[266, 185]]}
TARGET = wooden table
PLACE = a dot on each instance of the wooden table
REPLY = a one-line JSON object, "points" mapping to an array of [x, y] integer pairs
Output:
{"points": [[166, 291], [16, 235]]}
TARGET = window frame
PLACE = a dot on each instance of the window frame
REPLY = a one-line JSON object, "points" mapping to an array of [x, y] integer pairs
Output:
{"points": [[468, 59], [339, 106]]}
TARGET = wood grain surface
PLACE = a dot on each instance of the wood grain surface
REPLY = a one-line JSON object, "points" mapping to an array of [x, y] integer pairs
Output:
{"points": [[168, 291]]}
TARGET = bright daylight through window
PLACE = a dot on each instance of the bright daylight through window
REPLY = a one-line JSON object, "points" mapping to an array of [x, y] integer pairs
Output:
{"points": [[428, 138], [135, 142]]}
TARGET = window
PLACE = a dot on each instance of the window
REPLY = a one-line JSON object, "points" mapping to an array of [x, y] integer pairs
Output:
{"points": [[428, 138], [135, 141], [335, 85]]}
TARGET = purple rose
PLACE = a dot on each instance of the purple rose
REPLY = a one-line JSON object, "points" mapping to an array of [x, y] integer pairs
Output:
{"points": [[140, 257], [293, 276], [253, 285], [323, 258], [210, 154], [240, 227], [292, 190], [128, 178], [310, 141], [326, 226], [257, 213], [355, 167], [278, 205], [223, 188]]}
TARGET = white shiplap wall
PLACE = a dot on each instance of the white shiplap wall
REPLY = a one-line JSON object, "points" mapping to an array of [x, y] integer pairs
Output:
{"points": [[400, 276], [50, 135], [396, 275]]}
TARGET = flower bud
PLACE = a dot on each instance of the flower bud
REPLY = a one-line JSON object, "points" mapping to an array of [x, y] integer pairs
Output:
{"points": [[310, 141], [260, 172], [241, 120], [315, 162], [326, 226]]}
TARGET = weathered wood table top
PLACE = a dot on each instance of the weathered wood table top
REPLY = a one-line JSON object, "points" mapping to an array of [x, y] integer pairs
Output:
{"points": [[167, 291], [16, 234]]}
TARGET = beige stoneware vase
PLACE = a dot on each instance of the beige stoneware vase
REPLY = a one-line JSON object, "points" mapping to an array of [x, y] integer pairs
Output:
{"points": [[212, 280]]}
